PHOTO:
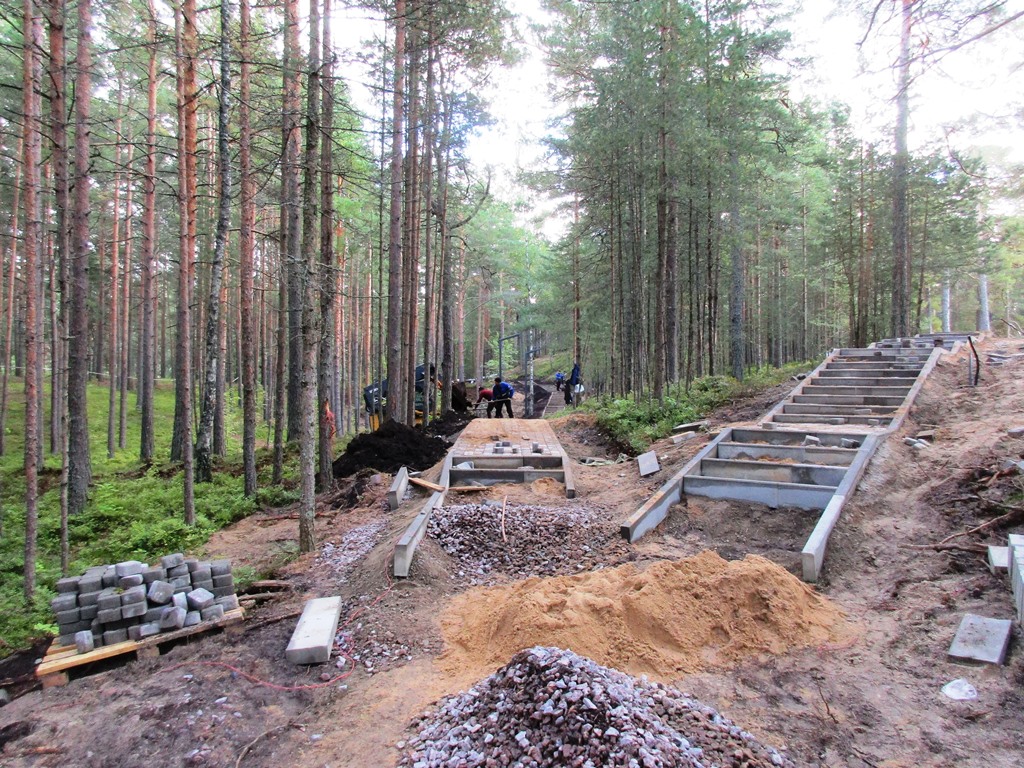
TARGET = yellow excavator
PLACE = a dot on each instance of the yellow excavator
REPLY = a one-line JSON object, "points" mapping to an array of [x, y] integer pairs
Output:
{"points": [[375, 396]]}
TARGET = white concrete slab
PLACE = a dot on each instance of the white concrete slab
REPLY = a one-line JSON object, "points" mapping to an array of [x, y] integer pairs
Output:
{"points": [[314, 634], [998, 559], [981, 639], [648, 463]]}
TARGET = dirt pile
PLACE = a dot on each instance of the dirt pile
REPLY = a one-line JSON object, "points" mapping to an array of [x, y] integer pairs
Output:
{"points": [[390, 448], [671, 618], [451, 423], [493, 539], [550, 707]]}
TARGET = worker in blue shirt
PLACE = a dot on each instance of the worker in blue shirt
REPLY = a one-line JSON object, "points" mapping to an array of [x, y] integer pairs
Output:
{"points": [[502, 394]]}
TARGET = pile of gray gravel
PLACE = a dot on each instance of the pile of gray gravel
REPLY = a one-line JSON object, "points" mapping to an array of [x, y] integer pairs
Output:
{"points": [[550, 707], [537, 540]]}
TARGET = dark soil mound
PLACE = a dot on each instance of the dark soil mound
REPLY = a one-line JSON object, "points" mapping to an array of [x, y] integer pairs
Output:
{"points": [[390, 448], [449, 424]]}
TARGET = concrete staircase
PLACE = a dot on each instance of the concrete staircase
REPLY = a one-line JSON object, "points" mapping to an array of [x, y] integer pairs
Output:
{"points": [[811, 449], [864, 387]]}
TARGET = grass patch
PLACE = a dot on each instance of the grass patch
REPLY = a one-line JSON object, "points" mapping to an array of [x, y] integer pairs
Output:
{"points": [[636, 422], [135, 512]]}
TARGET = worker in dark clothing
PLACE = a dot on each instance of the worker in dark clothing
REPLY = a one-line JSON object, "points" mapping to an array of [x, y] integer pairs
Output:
{"points": [[502, 392], [488, 395], [571, 382]]}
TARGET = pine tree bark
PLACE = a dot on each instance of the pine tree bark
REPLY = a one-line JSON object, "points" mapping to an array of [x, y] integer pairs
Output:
{"points": [[900, 323], [395, 363], [32, 238], [204, 435], [57, 75], [113, 377], [182, 439], [291, 201], [329, 349], [79, 462], [249, 349], [147, 340]]}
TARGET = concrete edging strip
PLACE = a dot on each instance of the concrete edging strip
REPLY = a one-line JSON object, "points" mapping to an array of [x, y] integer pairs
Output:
{"points": [[417, 529], [813, 555], [398, 488], [655, 509]]}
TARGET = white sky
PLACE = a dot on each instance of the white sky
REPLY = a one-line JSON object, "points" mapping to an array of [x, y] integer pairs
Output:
{"points": [[986, 80]]}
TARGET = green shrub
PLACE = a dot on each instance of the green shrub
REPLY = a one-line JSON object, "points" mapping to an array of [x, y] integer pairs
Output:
{"points": [[636, 422]]}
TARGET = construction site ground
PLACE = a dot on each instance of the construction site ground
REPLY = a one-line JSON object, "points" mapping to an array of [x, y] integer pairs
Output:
{"points": [[869, 695]]}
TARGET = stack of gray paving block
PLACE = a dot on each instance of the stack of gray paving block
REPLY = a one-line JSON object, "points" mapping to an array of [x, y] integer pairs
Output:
{"points": [[109, 604]]}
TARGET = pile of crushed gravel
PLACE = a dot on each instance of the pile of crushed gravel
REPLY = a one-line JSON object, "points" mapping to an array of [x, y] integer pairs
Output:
{"points": [[550, 707], [537, 540]]}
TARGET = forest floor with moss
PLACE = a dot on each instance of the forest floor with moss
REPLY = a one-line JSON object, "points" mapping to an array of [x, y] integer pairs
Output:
{"points": [[871, 698]]}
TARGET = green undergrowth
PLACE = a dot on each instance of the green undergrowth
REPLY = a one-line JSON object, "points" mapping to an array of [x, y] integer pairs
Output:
{"points": [[135, 512], [636, 422]]}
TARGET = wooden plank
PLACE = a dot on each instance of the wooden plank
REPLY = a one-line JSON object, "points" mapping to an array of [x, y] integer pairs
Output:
{"points": [[426, 484], [468, 488], [61, 661]]}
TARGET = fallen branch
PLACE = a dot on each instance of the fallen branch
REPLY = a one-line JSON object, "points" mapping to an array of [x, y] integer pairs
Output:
{"points": [[273, 620], [977, 549], [265, 734], [1009, 517]]}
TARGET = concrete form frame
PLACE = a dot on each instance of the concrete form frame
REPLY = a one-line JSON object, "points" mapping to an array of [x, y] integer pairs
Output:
{"points": [[656, 509]]}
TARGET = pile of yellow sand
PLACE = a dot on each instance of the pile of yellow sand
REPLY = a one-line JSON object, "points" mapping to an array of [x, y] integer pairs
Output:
{"points": [[665, 620]]}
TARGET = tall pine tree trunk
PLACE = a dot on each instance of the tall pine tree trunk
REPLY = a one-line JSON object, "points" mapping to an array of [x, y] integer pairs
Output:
{"points": [[147, 333], [900, 322], [79, 463], [182, 438], [395, 362], [246, 265], [204, 435], [328, 348], [31, 159]]}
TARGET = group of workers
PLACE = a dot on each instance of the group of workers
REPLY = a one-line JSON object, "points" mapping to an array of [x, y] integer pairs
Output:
{"points": [[499, 396]]}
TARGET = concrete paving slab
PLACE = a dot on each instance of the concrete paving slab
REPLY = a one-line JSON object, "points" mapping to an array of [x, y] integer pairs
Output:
{"points": [[999, 559], [314, 634], [648, 463], [981, 639]]}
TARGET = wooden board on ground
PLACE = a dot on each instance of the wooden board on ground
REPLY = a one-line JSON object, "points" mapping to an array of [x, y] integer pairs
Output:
{"points": [[426, 484], [468, 488], [59, 659]]}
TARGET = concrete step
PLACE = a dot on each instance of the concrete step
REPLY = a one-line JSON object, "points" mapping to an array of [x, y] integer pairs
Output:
{"points": [[759, 491], [837, 409], [802, 474], [921, 353], [865, 372], [838, 399], [756, 436], [503, 475], [805, 418], [802, 454], [861, 364], [862, 381], [509, 461], [827, 388]]}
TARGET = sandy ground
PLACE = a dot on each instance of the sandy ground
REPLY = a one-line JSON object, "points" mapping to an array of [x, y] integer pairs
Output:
{"points": [[870, 699]]}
